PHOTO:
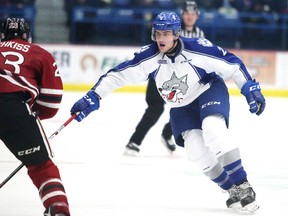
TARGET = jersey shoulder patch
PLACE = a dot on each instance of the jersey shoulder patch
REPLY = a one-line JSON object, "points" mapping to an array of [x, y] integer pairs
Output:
{"points": [[204, 42], [143, 48]]}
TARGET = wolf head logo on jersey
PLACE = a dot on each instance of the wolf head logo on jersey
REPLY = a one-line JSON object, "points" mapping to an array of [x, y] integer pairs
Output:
{"points": [[175, 87]]}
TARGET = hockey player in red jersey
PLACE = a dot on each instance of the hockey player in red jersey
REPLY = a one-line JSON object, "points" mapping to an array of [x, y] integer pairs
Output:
{"points": [[30, 90]]}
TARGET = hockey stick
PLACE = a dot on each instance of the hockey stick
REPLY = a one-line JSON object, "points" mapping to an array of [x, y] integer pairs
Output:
{"points": [[51, 137]]}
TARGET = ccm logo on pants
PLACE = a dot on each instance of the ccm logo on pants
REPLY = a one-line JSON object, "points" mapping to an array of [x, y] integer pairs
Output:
{"points": [[29, 151], [210, 103]]}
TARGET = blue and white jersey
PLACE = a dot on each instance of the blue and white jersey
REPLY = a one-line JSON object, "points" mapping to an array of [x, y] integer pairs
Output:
{"points": [[181, 78]]}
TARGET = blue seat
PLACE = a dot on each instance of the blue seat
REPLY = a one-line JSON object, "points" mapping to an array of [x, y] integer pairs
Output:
{"points": [[165, 4], [121, 3]]}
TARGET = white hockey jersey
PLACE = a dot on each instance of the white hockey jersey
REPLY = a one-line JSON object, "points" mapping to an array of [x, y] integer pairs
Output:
{"points": [[181, 78]]}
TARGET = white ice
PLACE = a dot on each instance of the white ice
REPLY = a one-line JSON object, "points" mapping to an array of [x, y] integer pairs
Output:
{"points": [[100, 181]]}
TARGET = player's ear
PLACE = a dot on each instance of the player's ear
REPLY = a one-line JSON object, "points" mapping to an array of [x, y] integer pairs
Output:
{"points": [[176, 37]]}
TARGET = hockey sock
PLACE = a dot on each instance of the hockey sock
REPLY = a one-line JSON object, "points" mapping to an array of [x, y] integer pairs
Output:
{"points": [[220, 177], [46, 178], [236, 172]]}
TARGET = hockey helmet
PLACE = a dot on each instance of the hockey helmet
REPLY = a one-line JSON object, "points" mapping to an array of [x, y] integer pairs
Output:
{"points": [[190, 6], [166, 21], [15, 28]]}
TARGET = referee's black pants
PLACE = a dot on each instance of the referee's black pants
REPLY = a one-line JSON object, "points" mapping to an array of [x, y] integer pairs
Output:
{"points": [[152, 114]]}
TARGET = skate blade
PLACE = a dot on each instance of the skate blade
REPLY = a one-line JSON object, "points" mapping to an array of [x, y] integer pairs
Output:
{"points": [[130, 153], [169, 151], [252, 207], [236, 206], [169, 148]]}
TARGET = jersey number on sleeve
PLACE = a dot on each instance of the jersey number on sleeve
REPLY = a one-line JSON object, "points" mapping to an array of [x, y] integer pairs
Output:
{"points": [[57, 72]]}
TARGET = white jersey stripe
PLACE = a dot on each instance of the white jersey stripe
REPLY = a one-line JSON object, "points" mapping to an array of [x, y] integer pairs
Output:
{"points": [[49, 105], [14, 82], [51, 91]]}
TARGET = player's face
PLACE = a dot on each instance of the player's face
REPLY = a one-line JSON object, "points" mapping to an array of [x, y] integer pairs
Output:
{"points": [[165, 40]]}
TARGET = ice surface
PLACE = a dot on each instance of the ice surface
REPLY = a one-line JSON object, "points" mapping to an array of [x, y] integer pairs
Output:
{"points": [[100, 181]]}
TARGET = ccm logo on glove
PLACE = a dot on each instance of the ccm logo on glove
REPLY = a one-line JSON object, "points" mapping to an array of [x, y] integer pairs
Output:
{"points": [[256, 101], [255, 87], [86, 105]]}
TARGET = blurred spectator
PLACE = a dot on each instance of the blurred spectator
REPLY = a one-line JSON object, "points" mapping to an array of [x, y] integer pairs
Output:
{"points": [[70, 4], [258, 6], [281, 6], [146, 16], [258, 13], [142, 4], [255, 5], [178, 3], [82, 29], [9, 9], [228, 11], [16, 3], [242, 5], [121, 3], [210, 4], [165, 4]]}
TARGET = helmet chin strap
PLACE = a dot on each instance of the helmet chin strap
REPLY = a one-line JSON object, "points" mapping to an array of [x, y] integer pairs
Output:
{"points": [[175, 42]]}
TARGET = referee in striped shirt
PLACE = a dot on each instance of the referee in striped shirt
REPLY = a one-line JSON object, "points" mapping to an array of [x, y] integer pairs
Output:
{"points": [[190, 14]]}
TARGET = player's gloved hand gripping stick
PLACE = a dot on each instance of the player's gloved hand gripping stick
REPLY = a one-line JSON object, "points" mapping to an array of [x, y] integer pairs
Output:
{"points": [[51, 137], [90, 102], [252, 91]]}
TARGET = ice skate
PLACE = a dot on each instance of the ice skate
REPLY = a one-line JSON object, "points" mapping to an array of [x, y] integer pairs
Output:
{"points": [[169, 144], [132, 149], [242, 197], [50, 211], [234, 198], [247, 197]]}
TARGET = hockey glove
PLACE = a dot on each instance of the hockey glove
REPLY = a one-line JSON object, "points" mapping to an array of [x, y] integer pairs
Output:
{"points": [[252, 91], [85, 105]]}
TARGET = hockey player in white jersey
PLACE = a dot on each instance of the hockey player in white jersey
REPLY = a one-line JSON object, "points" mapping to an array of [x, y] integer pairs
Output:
{"points": [[190, 74]]}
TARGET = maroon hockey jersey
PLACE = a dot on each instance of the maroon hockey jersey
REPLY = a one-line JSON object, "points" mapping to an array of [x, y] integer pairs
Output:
{"points": [[28, 67]]}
